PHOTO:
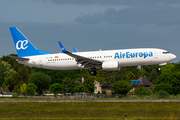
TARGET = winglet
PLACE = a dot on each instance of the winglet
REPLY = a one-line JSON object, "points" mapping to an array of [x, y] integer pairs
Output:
{"points": [[62, 48], [75, 50]]}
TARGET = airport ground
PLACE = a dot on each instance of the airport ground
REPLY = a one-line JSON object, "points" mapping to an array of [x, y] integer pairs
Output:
{"points": [[27, 108]]}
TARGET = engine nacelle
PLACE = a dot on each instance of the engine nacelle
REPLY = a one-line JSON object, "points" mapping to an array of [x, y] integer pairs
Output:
{"points": [[110, 66]]}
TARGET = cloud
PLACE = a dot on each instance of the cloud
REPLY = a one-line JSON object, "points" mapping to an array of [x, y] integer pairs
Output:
{"points": [[88, 2], [152, 14], [113, 2]]}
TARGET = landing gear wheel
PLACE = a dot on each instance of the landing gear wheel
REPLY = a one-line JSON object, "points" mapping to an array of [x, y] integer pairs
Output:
{"points": [[93, 72]]}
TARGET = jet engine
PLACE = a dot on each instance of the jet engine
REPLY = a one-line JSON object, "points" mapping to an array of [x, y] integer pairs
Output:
{"points": [[110, 66]]}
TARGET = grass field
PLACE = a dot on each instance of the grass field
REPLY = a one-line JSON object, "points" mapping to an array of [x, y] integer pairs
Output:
{"points": [[89, 110]]}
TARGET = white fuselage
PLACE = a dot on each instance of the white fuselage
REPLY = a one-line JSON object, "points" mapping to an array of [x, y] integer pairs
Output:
{"points": [[125, 57]]}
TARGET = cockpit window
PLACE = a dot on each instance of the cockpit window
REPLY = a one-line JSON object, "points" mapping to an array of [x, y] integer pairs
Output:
{"points": [[165, 52]]}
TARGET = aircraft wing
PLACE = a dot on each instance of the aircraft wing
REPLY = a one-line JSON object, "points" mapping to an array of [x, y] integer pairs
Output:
{"points": [[84, 61]]}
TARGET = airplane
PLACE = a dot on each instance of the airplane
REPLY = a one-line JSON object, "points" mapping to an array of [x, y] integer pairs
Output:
{"points": [[109, 60]]}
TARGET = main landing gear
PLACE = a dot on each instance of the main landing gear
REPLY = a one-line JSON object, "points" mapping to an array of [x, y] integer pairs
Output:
{"points": [[93, 72]]}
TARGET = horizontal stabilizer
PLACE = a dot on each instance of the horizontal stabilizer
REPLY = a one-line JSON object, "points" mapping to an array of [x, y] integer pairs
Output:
{"points": [[19, 58]]}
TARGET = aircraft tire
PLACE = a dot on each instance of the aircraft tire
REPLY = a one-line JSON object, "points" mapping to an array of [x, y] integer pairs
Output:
{"points": [[93, 72]]}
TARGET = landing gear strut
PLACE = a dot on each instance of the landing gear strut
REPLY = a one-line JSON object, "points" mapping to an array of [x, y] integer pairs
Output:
{"points": [[93, 72]]}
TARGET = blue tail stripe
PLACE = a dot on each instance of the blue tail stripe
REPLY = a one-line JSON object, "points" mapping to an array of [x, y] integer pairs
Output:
{"points": [[23, 46]]}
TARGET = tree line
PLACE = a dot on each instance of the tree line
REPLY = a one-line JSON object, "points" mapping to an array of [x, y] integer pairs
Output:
{"points": [[15, 77]]}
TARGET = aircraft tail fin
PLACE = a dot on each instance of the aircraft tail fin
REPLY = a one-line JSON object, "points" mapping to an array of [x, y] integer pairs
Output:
{"points": [[23, 46]]}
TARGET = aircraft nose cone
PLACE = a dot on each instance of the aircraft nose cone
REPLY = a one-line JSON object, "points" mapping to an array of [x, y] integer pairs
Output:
{"points": [[173, 56]]}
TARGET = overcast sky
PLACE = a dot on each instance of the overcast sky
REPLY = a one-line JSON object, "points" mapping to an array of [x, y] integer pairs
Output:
{"points": [[91, 25]]}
